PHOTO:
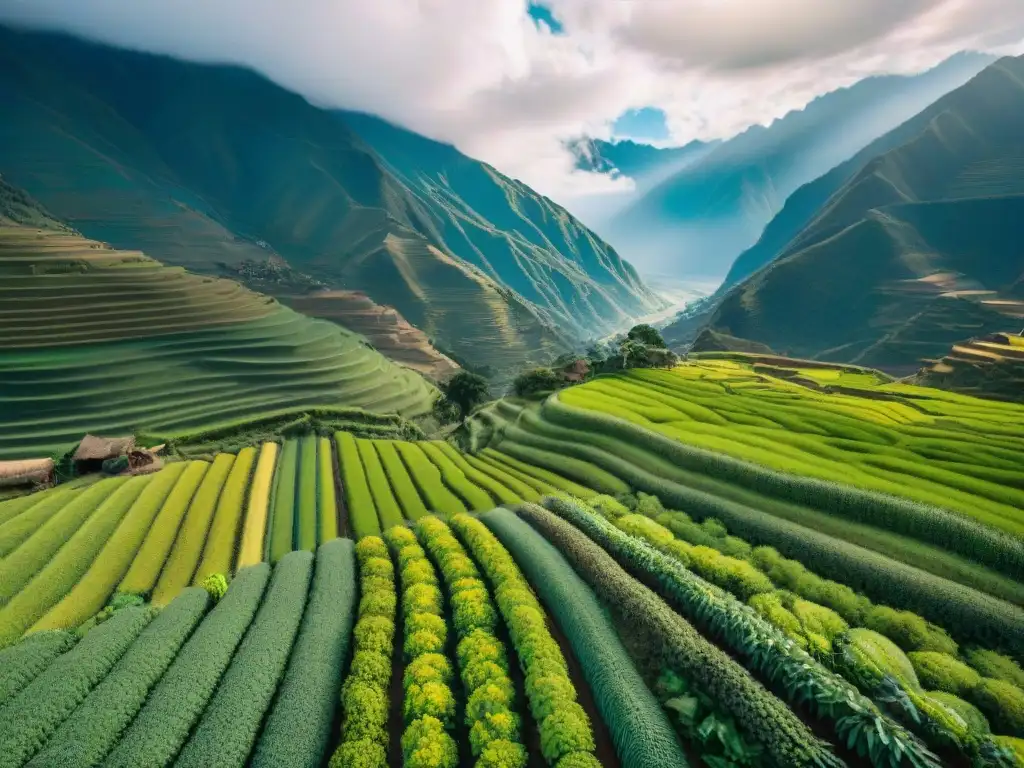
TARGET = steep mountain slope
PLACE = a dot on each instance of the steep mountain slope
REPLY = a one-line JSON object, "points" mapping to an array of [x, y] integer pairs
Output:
{"points": [[700, 219], [646, 164], [207, 165], [987, 366], [919, 249], [94, 339]]}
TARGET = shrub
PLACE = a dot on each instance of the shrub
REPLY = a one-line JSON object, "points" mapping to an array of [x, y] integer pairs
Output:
{"points": [[909, 631], [32, 716], [62, 572], [188, 545], [22, 663], [426, 745], [536, 381], [995, 665], [216, 585], [297, 729], [607, 506], [250, 550], [94, 728], [427, 668], [1002, 703], [359, 753], [174, 706], [874, 650], [218, 556], [942, 672], [819, 620]]}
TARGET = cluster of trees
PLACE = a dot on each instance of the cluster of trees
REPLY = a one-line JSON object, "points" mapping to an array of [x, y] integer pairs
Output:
{"points": [[642, 347]]}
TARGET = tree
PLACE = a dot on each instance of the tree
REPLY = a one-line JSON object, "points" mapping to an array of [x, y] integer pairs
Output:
{"points": [[465, 391], [646, 334], [535, 381]]}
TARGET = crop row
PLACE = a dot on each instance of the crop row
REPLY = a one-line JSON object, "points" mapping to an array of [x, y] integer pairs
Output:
{"points": [[302, 504], [387, 482], [364, 694], [252, 681], [428, 708], [494, 726]]}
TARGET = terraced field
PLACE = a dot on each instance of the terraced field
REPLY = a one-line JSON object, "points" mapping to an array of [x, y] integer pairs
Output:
{"points": [[98, 340], [636, 601], [989, 366]]}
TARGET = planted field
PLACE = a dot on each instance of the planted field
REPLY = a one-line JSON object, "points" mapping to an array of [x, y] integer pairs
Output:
{"points": [[136, 345]]}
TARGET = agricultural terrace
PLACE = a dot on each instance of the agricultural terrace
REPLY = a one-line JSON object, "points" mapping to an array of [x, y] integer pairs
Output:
{"points": [[104, 341]]}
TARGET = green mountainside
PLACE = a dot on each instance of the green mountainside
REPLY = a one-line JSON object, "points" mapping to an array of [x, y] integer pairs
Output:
{"points": [[94, 339], [697, 221], [918, 250], [204, 166]]}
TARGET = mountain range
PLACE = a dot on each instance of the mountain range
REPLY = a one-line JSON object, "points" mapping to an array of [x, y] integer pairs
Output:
{"points": [[714, 203], [917, 248], [212, 167]]}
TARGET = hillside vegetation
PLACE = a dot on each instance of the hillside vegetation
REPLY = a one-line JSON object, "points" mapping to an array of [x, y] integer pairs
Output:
{"points": [[986, 366], [917, 251], [100, 340], [207, 165]]}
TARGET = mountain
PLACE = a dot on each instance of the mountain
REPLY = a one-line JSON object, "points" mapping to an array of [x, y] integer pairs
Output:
{"points": [[699, 220], [988, 366], [210, 167], [919, 249], [646, 164], [102, 340]]}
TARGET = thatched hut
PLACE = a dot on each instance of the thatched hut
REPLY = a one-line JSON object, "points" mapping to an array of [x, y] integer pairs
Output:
{"points": [[34, 472], [93, 451]]}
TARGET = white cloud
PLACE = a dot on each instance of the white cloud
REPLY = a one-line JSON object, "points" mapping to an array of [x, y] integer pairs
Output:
{"points": [[483, 76]]}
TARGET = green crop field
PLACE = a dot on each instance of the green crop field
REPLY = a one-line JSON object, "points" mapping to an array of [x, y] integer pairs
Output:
{"points": [[93, 339], [586, 588]]}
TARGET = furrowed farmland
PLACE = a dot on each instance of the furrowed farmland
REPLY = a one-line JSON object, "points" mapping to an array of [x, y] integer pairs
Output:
{"points": [[732, 563]]}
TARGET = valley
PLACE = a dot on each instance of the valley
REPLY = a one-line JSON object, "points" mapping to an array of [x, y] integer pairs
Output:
{"points": [[324, 444]]}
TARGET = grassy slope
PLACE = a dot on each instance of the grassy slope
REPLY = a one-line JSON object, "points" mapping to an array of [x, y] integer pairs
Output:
{"points": [[869, 279], [987, 366], [194, 163], [110, 341]]}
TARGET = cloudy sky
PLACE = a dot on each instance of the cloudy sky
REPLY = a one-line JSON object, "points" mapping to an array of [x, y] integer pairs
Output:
{"points": [[488, 77]]}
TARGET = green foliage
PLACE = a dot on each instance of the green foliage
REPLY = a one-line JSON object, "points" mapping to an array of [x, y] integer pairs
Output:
{"points": [[548, 687], [969, 713], [66, 567], [362, 513], [216, 585], [91, 592], [94, 728], [646, 334], [29, 517], [874, 650], [188, 546], [942, 672], [281, 523], [792, 575], [21, 663], [306, 495], [482, 659], [18, 568], [466, 391], [439, 499], [588, 475], [149, 561], [474, 498], [996, 665], [757, 643], [401, 483], [909, 631], [388, 511], [682, 648], [177, 702], [426, 745], [1003, 705], [364, 695], [608, 506], [536, 381], [231, 722], [219, 554], [544, 480], [327, 527], [33, 716], [502, 493]]}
